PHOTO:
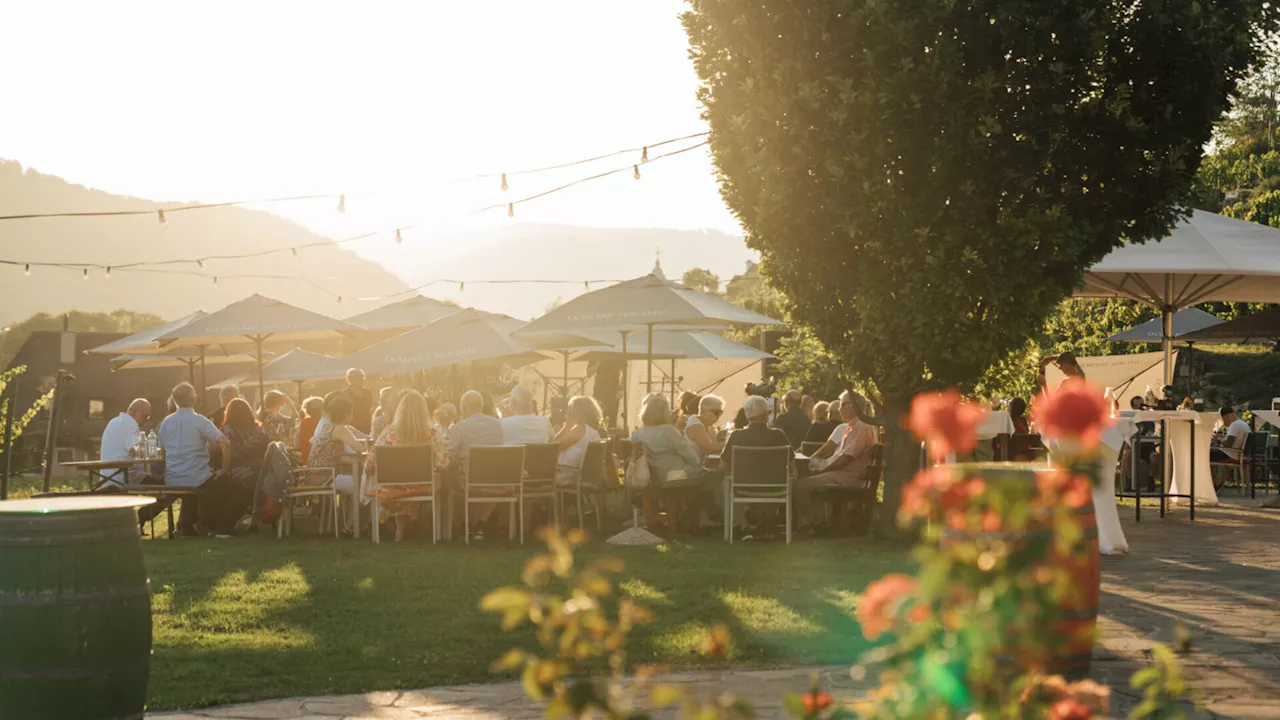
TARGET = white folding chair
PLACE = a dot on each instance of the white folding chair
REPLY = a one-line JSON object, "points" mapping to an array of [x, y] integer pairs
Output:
{"points": [[325, 488], [758, 476], [495, 475], [409, 468]]}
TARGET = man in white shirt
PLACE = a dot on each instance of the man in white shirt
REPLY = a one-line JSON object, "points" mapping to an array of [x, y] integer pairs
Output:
{"points": [[118, 439], [1237, 432], [522, 427]]}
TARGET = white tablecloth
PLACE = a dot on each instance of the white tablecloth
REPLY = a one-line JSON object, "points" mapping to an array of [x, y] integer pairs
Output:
{"points": [[995, 422], [1186, 427], [1111, 539]]}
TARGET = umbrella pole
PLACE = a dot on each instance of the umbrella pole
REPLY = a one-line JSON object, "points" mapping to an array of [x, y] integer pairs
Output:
{"points": [[1191, 367], [191, 371], [649, 363], [204, 379], [626, 390], [564, 389], [1166, 342], [299, 394], [673, 382], [257, 341]]}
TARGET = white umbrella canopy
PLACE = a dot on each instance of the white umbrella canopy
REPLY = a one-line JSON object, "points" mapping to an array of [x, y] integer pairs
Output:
{"points": [[411, 312], [298, 365], [183, 357], [1186, 320], [145, 342], [641, 305], [464, 337], [1207, 257], [256, 320], [681, 344]]}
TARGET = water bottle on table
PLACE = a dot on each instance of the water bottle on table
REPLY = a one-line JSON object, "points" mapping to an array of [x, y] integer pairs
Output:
{"points": [[152, 445]]}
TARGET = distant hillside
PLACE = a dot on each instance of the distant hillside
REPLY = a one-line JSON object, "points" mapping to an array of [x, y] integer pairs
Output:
{"points": [[118, 239], [527, 251]]}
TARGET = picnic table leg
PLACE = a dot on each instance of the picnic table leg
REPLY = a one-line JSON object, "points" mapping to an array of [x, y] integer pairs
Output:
{"points": [[172, 531]]}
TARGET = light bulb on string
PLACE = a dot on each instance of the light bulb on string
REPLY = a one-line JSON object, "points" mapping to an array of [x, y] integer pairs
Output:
{"points": [[294, 251], [215, 281], [462, 287], [399, 239], [339, 299], [636, 171], [644, 154], [163, 222], [86, 274], [107, 275], [200, 264], [511, 209], [505, 187], [342, 203], [26, 270], [586, 285]]}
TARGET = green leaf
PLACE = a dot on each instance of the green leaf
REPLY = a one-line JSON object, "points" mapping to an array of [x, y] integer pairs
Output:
{"points": [[506, 598]]}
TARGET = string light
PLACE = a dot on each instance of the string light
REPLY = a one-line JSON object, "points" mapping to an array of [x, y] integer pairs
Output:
{"points": [[107, 275], [294, 250], [644, 154], [342, 203], [462, 287], [339, 299], [586, 284], [163, 222], [86, 274], [398, 238], [200, 264], [215, 281], [505, 187], [26, 270], [511, 209], [636, 173]]}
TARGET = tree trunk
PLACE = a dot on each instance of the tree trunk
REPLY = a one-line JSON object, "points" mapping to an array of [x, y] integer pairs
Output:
{"points": [[901, 461]]}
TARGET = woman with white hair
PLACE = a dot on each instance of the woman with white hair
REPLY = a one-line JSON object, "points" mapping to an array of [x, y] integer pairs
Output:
{"points": [[700, 428], [671, 458], [580, 429]]}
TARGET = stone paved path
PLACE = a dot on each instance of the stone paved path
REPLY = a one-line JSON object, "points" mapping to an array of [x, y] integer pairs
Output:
{"points": [[1218, 576]]}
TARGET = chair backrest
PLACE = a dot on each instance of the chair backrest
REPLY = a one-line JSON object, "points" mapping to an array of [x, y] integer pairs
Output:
{"points": [[1000, 447], [758, 466], [622, 448], [1024, 446], [404, 464], [1259, 441], [809, 447], [540, 461], [875, 471], [495, 465], [593, 466]]}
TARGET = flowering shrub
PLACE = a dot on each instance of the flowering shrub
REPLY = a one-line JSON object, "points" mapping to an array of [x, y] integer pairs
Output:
{"points": [[1001, 605]]}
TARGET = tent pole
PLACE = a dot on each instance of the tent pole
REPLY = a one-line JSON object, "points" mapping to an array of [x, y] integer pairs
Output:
{"points": [[649, 362], [626, 390]]}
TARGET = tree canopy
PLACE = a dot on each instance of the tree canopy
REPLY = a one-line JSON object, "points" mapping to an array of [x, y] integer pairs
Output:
{"points": [[702, 280], [122, 321], [926, 180]]}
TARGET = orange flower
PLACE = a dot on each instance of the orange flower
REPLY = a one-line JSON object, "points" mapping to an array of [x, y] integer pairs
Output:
{"points": [[945, 422], [1070, 709], [1073, 490], [1078, 492], [815, 702], [918, 613], [917, 495], [880, 601], [1076, 411], [1090, 694], [990, 521]]}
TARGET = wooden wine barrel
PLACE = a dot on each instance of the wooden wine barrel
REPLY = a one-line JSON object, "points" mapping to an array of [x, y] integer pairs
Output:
{"points": [[75, 609], [1076, 621]]}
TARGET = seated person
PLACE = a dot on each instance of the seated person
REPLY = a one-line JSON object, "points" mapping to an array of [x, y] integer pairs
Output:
{"points": [[223, 508], [411, 425], [686, 407], [793, 421], [1237, 434], [757, 433], [278, 426], [1018, 414], [313, 409], [520, 425], [580, 430], [388, 401], [218, 415], [843, 460], [699, 429], [336, 440], [119, 438], [822, 425], [672, 460], [185, 438], [475, 428]]}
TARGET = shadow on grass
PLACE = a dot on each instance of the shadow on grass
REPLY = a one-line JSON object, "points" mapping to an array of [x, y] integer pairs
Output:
{"points": [[253, 618]]}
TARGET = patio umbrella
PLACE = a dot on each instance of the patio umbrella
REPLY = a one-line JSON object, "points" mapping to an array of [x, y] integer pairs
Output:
{"points": [[1185, 321], [298, 366], [144, 342], [1259, 328], [255, 320], [411, 312], [645, 303], [1207, 257], [183, 357], [467, 336]]}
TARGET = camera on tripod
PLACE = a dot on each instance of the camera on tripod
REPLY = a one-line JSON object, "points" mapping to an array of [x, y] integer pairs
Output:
{"points": [[764, 388]]}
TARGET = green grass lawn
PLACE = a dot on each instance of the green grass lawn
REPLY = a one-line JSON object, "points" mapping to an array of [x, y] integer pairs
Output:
{"points": [[252, 618]]}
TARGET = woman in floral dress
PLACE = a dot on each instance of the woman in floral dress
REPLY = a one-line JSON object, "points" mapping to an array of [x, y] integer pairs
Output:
{"points": [[412, 426]]}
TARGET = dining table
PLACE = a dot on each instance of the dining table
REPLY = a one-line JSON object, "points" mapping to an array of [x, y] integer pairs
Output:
{"points": [[1188, 436], [105, 470]]}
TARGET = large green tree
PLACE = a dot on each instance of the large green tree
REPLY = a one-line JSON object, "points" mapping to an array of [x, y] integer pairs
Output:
{"points": [[122, 321], [927, 179]]}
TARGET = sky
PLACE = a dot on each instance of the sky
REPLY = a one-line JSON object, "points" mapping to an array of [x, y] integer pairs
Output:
{"points": [[215, 101]]}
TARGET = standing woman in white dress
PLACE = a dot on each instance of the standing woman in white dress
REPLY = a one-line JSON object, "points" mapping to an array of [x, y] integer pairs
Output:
{"points": [[581, 428]]}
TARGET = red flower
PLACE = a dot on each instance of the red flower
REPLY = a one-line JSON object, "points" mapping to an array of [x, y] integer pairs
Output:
{"points": [[1078, 492], [1070, 709], [1076, 410], [991, 521], [1055, 485], [815, 702], [880, 601], [946, 423], [918, 494]]}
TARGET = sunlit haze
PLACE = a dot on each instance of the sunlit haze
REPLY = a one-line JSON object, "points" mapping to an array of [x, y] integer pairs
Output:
{"points": [[229, 100]]}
